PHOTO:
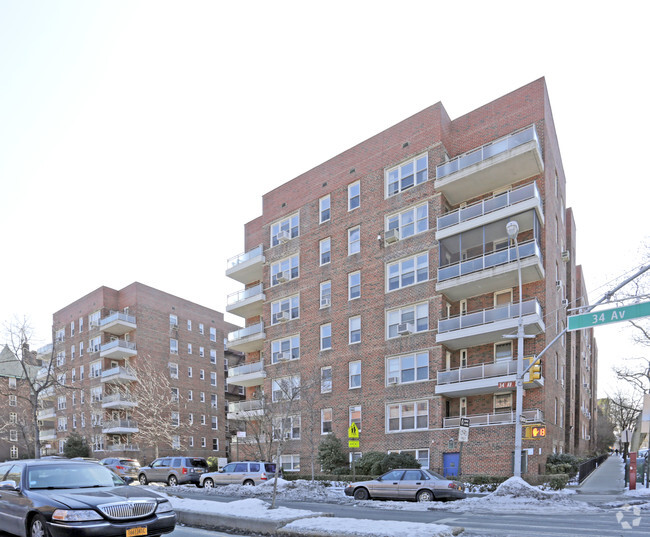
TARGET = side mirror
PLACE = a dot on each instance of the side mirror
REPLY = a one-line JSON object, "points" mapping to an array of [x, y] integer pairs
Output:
{"points": [[8, 485]]}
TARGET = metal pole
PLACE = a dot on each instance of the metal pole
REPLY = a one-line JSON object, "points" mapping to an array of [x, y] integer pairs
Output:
{"points": [[520, 371]]}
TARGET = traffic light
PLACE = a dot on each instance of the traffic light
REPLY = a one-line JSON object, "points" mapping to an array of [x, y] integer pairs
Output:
{"points": [[536, 370]]}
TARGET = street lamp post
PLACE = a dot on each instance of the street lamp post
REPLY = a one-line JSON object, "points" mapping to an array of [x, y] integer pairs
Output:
{"points": [[512, 229]]}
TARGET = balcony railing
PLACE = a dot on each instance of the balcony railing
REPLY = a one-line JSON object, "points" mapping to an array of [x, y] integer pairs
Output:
{"points": [[246, 369], [117, 316], [500, 257], [47, 434], [244, 294], [118, 348], [116, 399], [488, 150], [242, 258], [496, 418], [482, 371], [243, 333], [254, 405], [46, 413], [123, 447], [119, 374], [119, 424], [507, 311], [489, 205]]}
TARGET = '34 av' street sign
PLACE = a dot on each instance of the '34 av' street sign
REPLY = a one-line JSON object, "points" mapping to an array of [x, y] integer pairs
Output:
{"points": [[615, 315]]}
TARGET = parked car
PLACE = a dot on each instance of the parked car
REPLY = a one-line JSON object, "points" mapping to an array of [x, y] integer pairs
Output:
{"points": [[39, 498], [173, 471], [407, 484], [126, 468], [240, 473]]}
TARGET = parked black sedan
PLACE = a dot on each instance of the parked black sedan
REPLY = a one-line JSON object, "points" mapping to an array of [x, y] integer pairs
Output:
{"points": [[56, 498]]}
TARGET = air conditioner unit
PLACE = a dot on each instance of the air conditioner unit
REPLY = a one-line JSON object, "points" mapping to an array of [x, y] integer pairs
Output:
{"points": [[392, 235], [393, 380], [558, 284], [404, 329], [566, 256], [283, 356], [173, 326], [565, 302], [283, 276], [283, 236], [282, 317], [325, 302]]}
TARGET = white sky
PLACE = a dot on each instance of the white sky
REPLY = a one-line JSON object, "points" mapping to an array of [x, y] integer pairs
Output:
{"points": [[137, 138]]}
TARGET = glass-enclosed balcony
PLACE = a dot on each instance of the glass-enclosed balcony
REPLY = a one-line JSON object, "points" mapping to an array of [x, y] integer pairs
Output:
{"points": [[252, 374], [481, 379], [119, 375], [490, 167], [117, 323], [489, 325], [495, 418], [119, 400], [247, 267], [247, 302], [247, 339], [118, 349], [119, 427], [245, 409]]}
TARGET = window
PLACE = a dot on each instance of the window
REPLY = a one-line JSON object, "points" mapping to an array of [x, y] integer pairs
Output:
{"points": [[285, 230], [213, 356], [354, 369], [62, 424], [407, 272], [61, 402], [189, 325], [12, 383], [189, 348], [285, 349], [408, 416], [60, 358], [93, 319], [407, 368], [290, 463], [81, 372], [213, 400], [13, 417], [354, 240], [213, 378], [94, 344], [354, 198], [325, 336], [81, 348], [173, 321], [408, 319], [214, 423], [81, 324], [326, 294], [202, 419], [74, 398], [71, 328], [13, 435], [413, 172], [410, 222], [326, 379], [463, 357], [96, 369], [324, 209], [202, 397], [175, 394], [326, 421], [96, 394], [421, 455], [189, 372], [13, 400], [286, 428], [173, 346], [285, 309], [202, 374], [73, 375], [60, 335], [190, 441], [286, 388], [285, 270], [13, 452], [190, 419], [190, 395], [173, 370], [325, 249], [503, 351], [354, 285], [354, 329], [201, 329], [462, 406], [215, 444], [355, 416], [203, 441], [176, 419], [502, 402], [72, 352]]}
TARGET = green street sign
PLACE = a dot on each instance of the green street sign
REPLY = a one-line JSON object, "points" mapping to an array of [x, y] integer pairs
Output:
{"points": [[616, 315]]}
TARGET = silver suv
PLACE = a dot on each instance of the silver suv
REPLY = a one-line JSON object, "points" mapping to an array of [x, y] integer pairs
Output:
{"points": [[173, 470], [240, 473]]}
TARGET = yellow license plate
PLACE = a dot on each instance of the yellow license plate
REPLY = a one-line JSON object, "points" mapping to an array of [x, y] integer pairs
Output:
{"points": [[132, 532]]}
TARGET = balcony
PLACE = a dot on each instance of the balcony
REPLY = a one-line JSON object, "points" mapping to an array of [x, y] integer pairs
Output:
{"points": [[482, 379], [490, 325], [247, 374], [117, 323], [123, 447], [247, 267], [491, 272], [118, 349], [245, 409], [119, 400], [47, 434], [247, 339], [119, 427], [497, 418], [46, 414], [119, 375], [246, 303], [502, 206], [47, 393], [490, 167]]}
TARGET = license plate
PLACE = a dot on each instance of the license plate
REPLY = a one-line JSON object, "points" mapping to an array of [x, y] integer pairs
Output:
{"points": [[132, 532]]}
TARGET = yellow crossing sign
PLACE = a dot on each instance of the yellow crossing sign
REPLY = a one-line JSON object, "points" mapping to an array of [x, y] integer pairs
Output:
{"points": [[353, 431]]}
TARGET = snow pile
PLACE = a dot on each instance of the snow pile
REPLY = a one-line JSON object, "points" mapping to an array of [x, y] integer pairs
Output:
{"points": [[516, 487], [354, 527]]}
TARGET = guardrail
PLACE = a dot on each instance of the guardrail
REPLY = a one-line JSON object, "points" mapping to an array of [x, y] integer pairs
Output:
{"points": [[589, 466]]}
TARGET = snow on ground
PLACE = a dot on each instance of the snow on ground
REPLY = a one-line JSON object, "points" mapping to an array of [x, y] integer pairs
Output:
{"points": [[373, 528]]}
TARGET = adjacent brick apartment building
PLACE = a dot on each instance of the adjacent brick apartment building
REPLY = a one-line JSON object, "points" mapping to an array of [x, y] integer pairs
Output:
{"points": [[104, 340], [386, 276]]}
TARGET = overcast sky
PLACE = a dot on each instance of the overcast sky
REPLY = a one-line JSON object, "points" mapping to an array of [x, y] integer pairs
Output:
{"points": [[137, 138]]}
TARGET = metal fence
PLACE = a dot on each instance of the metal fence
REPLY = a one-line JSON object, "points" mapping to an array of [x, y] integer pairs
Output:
{"points": [[589, 466]]}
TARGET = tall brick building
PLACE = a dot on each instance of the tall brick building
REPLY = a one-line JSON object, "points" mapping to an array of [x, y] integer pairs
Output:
{"points": [[386, 276], [102, 342]]}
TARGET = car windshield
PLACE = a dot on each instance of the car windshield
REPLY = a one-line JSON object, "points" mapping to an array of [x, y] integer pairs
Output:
{"points": [[70, 476]]}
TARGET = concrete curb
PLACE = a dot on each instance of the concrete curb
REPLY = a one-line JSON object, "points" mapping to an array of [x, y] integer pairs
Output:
{"points": [[287, 532]]}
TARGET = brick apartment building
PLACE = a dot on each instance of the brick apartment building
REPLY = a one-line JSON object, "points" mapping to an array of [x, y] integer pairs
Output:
{"points": [[103, 343], [386, 276]]}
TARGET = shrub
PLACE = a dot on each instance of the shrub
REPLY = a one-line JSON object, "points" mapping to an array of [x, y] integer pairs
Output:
{"points": [[562, 463], [330, 454], [558, 482], [213, 464], [76, 446], [376, 462]]}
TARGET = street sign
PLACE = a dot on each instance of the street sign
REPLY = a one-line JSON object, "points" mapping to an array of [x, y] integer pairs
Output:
{"points": [[353, 431], [463, 434], [353, 443], [615, 315], [507, 384], [464, 422]]}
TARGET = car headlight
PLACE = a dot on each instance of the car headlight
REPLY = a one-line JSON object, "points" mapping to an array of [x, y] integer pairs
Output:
{"points": [[76, 515], [164, 507]]}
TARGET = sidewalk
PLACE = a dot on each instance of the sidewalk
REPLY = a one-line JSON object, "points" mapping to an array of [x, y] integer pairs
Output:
{"points": [[607, 479]]}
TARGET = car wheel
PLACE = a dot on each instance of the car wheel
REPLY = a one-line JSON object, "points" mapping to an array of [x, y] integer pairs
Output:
{"points": [[249, 483], [172, 480], [208, 483], [425, 496], [361, 494], [38, 527], [143, 479]]}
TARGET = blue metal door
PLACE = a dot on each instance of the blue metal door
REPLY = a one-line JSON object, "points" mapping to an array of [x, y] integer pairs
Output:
{"points": [[450, 462]]}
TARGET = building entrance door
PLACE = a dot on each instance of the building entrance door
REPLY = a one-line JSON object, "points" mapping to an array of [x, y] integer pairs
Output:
{"points": [[450, 463]]}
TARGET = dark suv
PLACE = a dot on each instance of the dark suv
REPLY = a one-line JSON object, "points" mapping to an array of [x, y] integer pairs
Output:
{"points": [[173, 470]]}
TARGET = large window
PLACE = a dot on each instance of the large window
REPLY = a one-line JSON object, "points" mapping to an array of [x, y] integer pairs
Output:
{"points": [[285, 229], [290, 463], [408, 416], [410, 222], [285, 309], [326, 421], [285, 389], [406, 175], [354, 240], [503, 351], [407, 272], [285, 270], [407, 368], [325, 250], [286, 428], [354, 195], [285, 349], [324, 209], [325, 336], [406, 320], [354, 285]]}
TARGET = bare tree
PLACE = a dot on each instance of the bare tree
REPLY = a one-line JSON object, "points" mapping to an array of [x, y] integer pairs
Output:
{"points": [[623, 410]]}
